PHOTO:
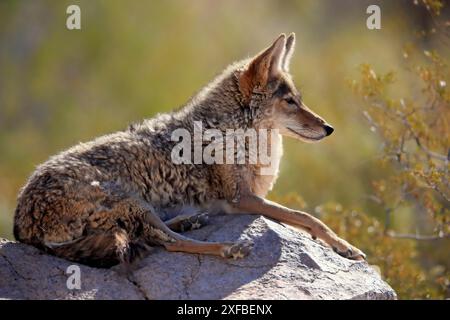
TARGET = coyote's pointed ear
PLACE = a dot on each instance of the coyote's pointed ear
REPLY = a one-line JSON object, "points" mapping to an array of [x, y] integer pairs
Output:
{"points": [[290, 45], [264, 67]]}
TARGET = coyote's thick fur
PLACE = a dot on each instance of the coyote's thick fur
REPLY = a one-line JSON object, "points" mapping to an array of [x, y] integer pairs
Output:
{"points": [[102, 202]]}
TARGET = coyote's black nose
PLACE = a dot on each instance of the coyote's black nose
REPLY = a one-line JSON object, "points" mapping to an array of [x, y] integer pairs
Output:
{"points": [[329, 129]]}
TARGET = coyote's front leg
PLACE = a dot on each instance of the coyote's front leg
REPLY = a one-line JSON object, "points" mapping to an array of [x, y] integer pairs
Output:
{"points": [[257, 205]]}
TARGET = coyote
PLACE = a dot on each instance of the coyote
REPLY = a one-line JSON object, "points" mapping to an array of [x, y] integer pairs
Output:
{"points": [[105, 202]]}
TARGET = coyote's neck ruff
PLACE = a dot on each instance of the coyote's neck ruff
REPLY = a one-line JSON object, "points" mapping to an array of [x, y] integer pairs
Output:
{"points": [[220, 106], [103, 201]]}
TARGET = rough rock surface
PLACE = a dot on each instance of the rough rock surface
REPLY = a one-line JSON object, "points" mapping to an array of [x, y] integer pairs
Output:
{"points": [[284, 264]]}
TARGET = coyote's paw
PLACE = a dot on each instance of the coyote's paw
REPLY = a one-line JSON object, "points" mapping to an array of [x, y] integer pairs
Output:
{"points": [[238, 250], [348, 251], [195, 222]]}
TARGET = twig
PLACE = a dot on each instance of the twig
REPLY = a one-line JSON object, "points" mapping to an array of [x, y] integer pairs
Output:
{"points": [[417, 236]]}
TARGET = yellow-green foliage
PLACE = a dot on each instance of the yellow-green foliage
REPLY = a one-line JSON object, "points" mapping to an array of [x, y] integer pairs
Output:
{"points": [[415, 134], [133, 59]]}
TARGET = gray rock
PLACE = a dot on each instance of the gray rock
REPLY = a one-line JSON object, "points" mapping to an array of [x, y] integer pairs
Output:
{"points": [[285, 264]]}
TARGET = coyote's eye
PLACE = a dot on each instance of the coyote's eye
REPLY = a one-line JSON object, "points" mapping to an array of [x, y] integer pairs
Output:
{"points": [[290, 100]]}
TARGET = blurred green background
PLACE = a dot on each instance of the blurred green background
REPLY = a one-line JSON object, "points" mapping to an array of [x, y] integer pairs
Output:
{"points": [[133, 59]]}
